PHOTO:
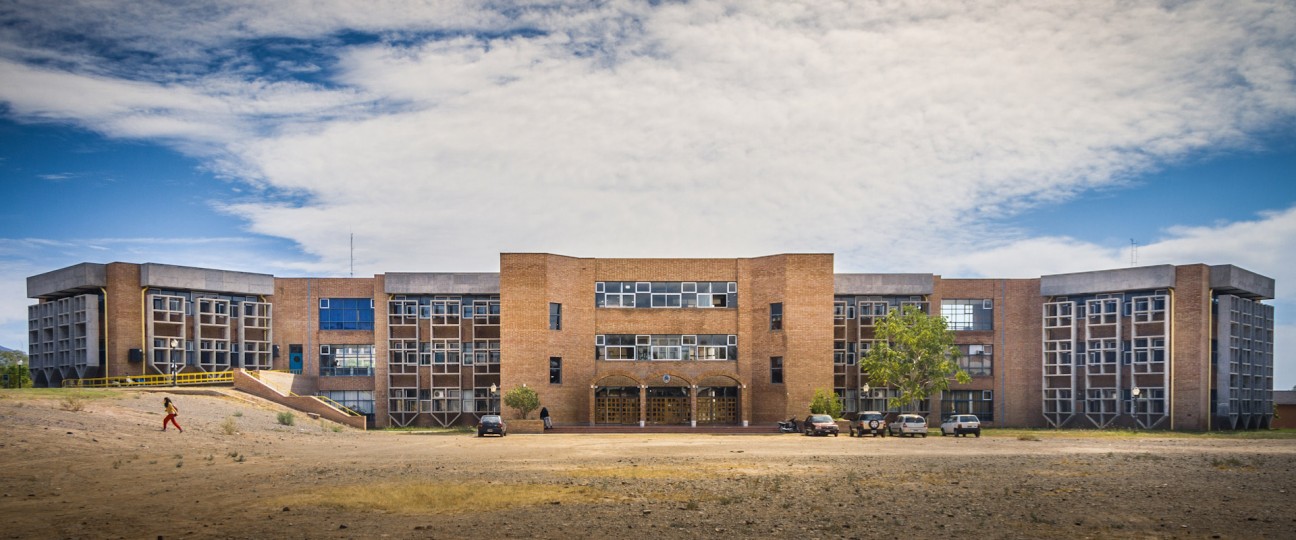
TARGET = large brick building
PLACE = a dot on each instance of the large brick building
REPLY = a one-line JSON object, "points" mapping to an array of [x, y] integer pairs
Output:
{"points": [[679, 341]]}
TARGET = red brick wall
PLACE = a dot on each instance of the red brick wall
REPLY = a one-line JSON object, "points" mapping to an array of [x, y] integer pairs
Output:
{"points": [[124, 319], [1190, 359]]}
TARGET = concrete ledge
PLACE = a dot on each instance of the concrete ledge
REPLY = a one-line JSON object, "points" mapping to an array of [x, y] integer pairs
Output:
{"points": [[884, 284], [441, 283], [79, 277], [1102, 281]]}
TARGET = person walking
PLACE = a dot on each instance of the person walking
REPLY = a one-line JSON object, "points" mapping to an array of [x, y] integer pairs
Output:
{"points": [[544, 415], [171, 412]]}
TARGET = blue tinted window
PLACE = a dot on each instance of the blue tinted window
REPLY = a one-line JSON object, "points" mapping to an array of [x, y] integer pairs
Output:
{"points": [[346, 314]]}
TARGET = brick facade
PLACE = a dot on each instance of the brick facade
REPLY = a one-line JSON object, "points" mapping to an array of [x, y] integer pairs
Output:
{"points": [[731, 389]]}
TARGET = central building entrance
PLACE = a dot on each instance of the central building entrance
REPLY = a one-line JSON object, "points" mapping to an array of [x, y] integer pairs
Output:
{"points": [[667, 405]]}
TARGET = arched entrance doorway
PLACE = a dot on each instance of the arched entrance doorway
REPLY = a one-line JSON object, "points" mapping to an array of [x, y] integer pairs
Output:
{"points": [[668, 401], [718, 401], [616, 401]]}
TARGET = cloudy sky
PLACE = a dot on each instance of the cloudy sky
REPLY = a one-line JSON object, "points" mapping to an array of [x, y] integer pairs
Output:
{"points": [[1004, 139]]}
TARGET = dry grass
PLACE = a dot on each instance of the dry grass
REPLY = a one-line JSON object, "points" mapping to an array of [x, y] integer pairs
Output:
{"points": [[72, 403], [1122, 433], [647, 473], [444, 498]]}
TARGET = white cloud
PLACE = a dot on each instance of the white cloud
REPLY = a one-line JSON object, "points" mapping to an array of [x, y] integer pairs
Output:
{"points": [[885, 132]]}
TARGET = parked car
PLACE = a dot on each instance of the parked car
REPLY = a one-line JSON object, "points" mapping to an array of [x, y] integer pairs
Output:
{"points": [[869, 423], [492, 423], [820, 424], [961, 424], [908, 424]]}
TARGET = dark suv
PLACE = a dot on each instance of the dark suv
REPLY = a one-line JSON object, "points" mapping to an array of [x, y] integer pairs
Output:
{"points": [[492, 423], [869, 423], [820, 424]]}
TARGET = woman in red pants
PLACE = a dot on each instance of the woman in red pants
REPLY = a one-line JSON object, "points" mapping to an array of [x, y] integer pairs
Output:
{"points": [[171, 414]]}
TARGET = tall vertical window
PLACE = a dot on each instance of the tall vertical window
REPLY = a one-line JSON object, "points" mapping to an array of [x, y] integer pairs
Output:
{"points": [[965, 314], [776, 370], [555, 316], [346, 314], [776, 316], [555, 370]]}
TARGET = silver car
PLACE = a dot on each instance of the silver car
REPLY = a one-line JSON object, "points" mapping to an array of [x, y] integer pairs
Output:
{"points": [[908, 424]]}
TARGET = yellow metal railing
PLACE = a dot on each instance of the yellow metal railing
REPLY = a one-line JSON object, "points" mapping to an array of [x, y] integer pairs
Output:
{"points": [[345, 410], [180, 379]]}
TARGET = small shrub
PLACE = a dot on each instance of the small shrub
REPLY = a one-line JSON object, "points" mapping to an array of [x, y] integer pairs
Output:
{"points": [[238, 414], [72, 403], [286, 418], [229, 426]]}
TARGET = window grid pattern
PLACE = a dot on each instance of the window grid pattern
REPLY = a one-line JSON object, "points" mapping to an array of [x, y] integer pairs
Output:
{"points": [[977, 360], [346, 360], [346, 314], [978, 402], [666, 294], [975, 314], [666, 347]]}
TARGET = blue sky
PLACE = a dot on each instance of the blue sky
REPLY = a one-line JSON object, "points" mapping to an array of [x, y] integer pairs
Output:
{"points": [[1005, 139]]}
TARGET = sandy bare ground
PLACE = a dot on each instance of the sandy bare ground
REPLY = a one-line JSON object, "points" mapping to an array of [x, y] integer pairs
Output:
{"points": [[109, 472]]}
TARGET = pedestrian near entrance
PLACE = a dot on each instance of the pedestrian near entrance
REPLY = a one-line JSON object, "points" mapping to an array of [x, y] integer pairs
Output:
{"points": [[171, 412], [544, 415]]}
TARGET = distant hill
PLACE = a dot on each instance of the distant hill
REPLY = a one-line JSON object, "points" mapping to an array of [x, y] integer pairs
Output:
{"points": [[3, 348]]}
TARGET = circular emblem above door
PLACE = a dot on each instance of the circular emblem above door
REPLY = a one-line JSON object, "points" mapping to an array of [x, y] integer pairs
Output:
{"points": [[666, 377]]}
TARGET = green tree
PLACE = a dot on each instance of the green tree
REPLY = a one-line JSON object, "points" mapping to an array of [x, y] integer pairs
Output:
{"points": [[826, 402], [913, 353], [14, 369], [523, 400]]}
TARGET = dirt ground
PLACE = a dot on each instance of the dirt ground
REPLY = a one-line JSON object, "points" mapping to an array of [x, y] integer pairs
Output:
{"points": [[107, 471]]}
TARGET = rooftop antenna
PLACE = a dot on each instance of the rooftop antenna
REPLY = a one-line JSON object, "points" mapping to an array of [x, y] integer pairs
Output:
{"points": [[353, 254], [1133, 253]]}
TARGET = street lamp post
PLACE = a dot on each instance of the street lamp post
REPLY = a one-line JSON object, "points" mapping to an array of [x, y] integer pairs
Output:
{"points": [[171, 363], [1134, 393]]}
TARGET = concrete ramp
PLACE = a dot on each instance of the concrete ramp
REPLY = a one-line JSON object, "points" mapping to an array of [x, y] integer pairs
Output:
{"points": [[278, 387]]}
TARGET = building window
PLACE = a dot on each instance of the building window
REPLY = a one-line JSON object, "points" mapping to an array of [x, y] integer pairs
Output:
{"points": [[346, 360], [666, 294], [968, 314], [776, 370], [666, 347], [361, 401], [978, 402], [977, 360], [776, 316], [555, 370], [555, 316], [346, 314]]}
